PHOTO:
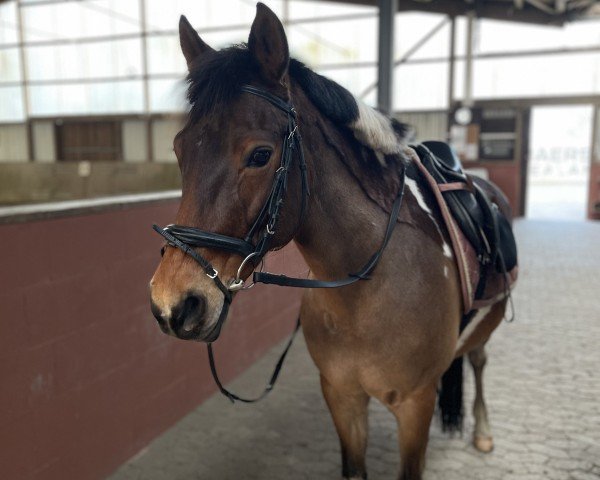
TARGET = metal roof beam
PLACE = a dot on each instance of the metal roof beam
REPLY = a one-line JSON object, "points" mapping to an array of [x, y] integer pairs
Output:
{"points": [[385, 64], [517, 11]]}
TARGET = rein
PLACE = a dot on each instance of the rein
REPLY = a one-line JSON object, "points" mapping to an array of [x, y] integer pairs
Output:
{"points": [[264, 227]]}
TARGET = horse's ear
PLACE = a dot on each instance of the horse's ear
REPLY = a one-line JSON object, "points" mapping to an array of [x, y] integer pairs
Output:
{"points": [[192, 45], [268, 44]]}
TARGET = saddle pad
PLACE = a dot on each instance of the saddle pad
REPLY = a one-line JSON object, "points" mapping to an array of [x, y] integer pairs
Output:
{"points": [[464, 253]]}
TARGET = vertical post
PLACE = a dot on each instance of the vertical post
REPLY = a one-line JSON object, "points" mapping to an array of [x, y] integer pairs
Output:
{"points": [[145, 85], [522, 157], [595, 140], [24, 83], [385, 69], [451, 63], [286, 12], [594, 184], [468, 94]]}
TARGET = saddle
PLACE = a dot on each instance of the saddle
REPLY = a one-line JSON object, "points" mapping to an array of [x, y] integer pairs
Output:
{"points": [[481, 235]]}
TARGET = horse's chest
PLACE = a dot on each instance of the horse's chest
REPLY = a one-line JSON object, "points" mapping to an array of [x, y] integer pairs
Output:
{"points": [[349, 339]]}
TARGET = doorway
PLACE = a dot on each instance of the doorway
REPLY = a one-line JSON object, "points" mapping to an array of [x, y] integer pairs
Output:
{"points": [[89, 140], [559, 162]]}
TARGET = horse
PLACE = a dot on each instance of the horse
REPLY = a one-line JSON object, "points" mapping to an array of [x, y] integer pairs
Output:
{"points": [[391, 332]]}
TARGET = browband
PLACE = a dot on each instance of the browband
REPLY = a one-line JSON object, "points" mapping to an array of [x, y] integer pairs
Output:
{"points": [[272, 99]]}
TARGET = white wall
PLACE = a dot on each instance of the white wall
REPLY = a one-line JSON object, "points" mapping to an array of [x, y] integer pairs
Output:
{"points": [[13, 143], [163, 133], [135, 141], [428, 125], [44, 141]]}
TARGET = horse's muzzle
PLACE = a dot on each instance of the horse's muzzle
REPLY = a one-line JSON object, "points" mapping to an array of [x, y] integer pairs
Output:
{"points": [[190, 319]]}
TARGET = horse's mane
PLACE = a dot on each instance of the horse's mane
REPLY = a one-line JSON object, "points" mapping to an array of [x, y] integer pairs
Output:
{"points": [[216, 80]]}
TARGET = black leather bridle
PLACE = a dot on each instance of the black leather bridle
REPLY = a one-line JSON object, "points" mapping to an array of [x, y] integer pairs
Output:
{"points": [[264, 228]]}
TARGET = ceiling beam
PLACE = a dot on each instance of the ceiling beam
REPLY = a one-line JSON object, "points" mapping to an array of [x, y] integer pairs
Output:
{"points": [[492, 9]]}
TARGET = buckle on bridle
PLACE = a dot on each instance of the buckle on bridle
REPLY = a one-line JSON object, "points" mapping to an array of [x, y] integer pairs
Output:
{"points": [[213, 275], [293, 132]]}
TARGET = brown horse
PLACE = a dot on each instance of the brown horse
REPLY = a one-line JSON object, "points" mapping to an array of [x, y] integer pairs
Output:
{"points": [[391, 337]]}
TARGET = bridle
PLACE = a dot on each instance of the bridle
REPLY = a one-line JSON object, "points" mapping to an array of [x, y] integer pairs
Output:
{"points": [[264, 228], [185, 238]]}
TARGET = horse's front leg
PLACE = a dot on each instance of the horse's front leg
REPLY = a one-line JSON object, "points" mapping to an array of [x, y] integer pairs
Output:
{"points": [[349, 412], [413, 415], [482, 436]]}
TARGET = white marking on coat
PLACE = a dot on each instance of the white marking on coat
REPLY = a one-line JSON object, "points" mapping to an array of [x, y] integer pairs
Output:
{"points": [[375, 130], [446, 271], [414, 189], [165, 312], [416, 192], [470, 328]]}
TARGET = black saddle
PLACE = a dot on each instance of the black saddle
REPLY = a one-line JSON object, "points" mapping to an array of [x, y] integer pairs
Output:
{"points": [[481, 221], [445, 153]]}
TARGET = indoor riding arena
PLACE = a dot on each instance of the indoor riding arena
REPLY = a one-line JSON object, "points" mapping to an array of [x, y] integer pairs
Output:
{"points": [[299, 239]]}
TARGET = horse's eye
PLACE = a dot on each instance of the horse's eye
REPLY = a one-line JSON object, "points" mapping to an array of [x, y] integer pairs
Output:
{"points": [[259, 157]]}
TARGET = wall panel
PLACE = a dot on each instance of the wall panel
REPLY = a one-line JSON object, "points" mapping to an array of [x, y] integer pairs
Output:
{"points": [[13, 143], [44, 141], [163, 133], [135, 141], [88, 379], [427, 125]]}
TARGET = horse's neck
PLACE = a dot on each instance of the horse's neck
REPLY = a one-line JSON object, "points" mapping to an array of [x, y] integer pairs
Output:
{"points": [[342, 227]]}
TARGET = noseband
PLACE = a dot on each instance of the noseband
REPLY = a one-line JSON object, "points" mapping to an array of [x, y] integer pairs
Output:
{"points": [[264, 228]]}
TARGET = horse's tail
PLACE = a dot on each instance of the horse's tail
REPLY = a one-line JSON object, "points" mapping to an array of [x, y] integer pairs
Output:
{"points": [[450, 397]]}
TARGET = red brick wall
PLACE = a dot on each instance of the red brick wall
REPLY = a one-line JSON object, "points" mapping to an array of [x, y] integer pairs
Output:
{"points": [[87, 379], [507, 176], [594, 191]]}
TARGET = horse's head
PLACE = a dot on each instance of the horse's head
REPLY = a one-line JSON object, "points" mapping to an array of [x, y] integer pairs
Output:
{"points": [[228, 153]]}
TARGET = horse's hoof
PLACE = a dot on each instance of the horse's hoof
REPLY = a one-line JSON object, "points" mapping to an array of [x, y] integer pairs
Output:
{"points": [[483, 443]]}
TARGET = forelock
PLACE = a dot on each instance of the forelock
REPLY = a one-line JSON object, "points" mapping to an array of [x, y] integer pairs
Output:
{"points": [[217, 78]]}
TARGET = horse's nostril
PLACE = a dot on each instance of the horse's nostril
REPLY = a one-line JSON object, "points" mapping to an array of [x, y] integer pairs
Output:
{"points": [[188, 316]]}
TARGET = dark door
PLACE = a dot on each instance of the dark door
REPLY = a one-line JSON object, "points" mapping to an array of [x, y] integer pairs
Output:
{"points": [[92, 141]]}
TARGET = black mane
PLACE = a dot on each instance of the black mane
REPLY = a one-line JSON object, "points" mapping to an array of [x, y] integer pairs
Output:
{"points": [[216, 80], [330, 98]]}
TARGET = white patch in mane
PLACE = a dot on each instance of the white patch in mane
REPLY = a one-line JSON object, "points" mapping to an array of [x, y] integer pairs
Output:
{"points": [[375, 130]]}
